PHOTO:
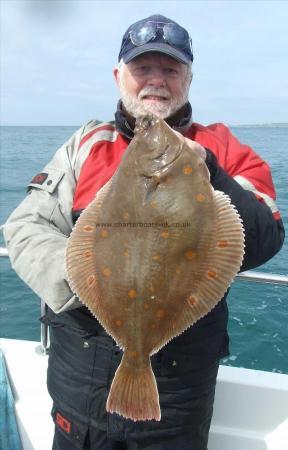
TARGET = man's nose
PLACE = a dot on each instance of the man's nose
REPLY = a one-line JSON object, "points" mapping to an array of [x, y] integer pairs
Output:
{"points": [[157, 78]]}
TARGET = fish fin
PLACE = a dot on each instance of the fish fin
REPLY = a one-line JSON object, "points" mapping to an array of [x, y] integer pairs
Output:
{"points": [[133, 393], [224, 258], [213, 278], [81, 259]]}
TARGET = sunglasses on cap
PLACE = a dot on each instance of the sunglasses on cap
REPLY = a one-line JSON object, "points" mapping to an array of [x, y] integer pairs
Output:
{"points": [[172, 33]]}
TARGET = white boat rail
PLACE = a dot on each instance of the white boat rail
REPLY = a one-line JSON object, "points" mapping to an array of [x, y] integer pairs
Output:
{"points": [[263, 277]]}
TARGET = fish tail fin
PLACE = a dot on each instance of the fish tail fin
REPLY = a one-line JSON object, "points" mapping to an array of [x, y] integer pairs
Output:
{"points": [[134, 393]]}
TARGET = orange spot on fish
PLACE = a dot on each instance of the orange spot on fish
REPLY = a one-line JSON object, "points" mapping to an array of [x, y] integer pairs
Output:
{"points": [[156, 258], [87, 253], [187, 170], [126, 253], [200, 198], [132, 293], [165, 234], [88, 228], [106, 271], [160, 313], [118, 322], [153, 204], [192, 300], [91, 280], [125, 216], [223, 244], [212, 274], [190, 254], [132, 354], [104, 233]]}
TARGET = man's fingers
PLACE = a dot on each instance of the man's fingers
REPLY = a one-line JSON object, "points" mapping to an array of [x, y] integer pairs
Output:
{"points": [[197, 148]]}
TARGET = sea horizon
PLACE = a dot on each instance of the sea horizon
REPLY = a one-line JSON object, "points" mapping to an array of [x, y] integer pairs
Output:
{"points": [[238, 125]]}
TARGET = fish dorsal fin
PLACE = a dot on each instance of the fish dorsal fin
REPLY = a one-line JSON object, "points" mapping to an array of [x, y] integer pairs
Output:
{"points": [[81, 258], [226, 252], [217, 272]]}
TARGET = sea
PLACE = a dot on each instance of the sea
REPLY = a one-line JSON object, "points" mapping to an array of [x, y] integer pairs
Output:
{"points": [[258, 322]]}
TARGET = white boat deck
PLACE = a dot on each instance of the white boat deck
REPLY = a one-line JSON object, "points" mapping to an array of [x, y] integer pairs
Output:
{"points": [[26, 367], [251, 407]]}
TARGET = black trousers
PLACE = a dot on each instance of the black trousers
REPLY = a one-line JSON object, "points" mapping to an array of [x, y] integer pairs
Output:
{"points": [[80, 373], [97, 440]]}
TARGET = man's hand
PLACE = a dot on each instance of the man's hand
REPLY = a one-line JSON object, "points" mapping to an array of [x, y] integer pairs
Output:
{"points": [[193, 145], [196, 148]]}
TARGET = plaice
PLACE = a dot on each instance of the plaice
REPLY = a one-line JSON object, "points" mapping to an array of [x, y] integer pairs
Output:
{"points": [[153, 253]]}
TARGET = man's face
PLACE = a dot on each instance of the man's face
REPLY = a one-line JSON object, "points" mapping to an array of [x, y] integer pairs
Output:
{"points": [[154, 83]]}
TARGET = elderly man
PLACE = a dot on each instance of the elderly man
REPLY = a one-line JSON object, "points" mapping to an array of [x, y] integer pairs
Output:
{"points": [[154, 74]]}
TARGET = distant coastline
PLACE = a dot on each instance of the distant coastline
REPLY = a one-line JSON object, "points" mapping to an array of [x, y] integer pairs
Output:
{"points": [[261, 125]]}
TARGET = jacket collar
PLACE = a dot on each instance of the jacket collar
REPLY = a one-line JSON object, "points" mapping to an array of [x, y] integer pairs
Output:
{"points": [[180, 121]]}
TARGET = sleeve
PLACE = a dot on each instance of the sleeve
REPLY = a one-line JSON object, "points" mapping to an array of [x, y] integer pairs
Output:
{"points": [[36, 233], [248, 182]]}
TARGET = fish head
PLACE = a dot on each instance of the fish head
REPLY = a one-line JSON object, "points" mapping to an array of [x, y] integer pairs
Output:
{"points": [[156, 147]]}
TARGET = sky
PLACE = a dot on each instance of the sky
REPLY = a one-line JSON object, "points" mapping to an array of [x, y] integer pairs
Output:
{"points": [[57, 58]]}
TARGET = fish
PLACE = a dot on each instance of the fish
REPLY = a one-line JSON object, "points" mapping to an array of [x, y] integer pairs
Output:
{"points": [[153, 253]]}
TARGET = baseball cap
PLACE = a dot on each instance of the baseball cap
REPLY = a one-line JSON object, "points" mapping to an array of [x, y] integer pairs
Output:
{"points": [[156, 34]]}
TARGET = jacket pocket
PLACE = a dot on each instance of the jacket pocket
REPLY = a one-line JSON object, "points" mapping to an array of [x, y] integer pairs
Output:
{"points": [[44, 186], [47, 181], [71, 429]]}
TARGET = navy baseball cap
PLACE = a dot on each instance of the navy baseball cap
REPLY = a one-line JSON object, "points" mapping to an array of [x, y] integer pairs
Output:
{"points": [[156, 34]]}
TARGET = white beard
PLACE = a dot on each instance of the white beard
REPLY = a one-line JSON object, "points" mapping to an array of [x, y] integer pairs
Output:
{"points": [[137, 105]]}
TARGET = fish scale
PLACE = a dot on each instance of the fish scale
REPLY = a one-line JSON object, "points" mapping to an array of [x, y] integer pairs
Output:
{"points": [[146, 283]]}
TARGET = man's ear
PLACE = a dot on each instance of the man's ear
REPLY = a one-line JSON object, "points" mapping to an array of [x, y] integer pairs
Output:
{"points": [[116, 75]]}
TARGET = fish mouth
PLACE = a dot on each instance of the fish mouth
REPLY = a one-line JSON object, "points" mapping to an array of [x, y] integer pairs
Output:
{"points": [[166, 165], [158, 172], [154, 178]]}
